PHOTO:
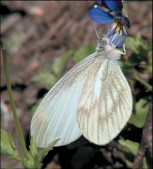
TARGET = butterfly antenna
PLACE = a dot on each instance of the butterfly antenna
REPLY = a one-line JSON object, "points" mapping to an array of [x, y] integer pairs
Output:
{"points": [[96, 31]]}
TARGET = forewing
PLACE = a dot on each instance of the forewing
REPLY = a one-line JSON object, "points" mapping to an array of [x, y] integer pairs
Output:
{"points": [[105, 104], [55, 117]]}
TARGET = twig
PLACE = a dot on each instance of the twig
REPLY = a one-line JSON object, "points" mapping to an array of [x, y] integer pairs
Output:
{"points": [[138, 78], [146, 141], [9, 88]]}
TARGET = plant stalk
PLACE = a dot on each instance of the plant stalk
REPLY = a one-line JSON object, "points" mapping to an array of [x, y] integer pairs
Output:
{"points": [[138, 78], [9, 88]]}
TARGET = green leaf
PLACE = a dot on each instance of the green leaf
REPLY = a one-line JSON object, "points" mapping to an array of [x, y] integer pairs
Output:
{"points": [[82, 53], [60, 63], [45, 78], [45, 151], [34, 159], [33, 147], [130, 150], [132, 43], [140, 49], [31, 163], [7, 145], [129, 146], [139, 117]]}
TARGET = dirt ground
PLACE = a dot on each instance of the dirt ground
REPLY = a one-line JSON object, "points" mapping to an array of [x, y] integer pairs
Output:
{"points": [[36, 32]]}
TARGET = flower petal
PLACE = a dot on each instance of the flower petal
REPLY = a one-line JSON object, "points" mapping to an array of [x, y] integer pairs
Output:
{"points": [[116, 39], [99, 16], [127, 22], [103, 4], [114, 5]]}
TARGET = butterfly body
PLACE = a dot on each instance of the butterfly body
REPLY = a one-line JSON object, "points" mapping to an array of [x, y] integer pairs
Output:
{"points": [[93, 99]]}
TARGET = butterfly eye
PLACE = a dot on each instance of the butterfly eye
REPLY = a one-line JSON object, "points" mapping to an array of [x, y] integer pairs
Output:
{"points": [[104, 42]]}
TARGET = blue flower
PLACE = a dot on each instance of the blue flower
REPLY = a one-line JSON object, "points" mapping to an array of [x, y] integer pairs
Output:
{"points": [[116, 39], [117, 32], [114, 13]]}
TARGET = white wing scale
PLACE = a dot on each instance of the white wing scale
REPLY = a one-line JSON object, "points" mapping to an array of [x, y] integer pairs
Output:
{"points": [[106, 105], [93, 99], [55, 117]]}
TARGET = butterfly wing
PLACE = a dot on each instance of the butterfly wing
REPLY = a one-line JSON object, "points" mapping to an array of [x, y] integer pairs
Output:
{"points": [[55, 117], [105, 105]]}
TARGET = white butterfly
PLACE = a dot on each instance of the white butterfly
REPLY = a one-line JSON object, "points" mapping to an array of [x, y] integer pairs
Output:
{"points": [[93, 99]]}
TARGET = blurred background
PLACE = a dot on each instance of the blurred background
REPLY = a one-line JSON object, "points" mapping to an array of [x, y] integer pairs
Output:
{"points": [[44, 40]]}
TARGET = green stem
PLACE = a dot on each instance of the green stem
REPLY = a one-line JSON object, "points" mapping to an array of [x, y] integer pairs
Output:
{"points": [[9, 88], [138, 78]]}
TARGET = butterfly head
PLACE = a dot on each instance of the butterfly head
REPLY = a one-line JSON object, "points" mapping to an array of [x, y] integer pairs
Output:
{"points": [[103, 45], [107, 49]]}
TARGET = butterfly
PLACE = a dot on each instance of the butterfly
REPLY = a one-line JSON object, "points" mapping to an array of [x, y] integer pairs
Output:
{"points": [[92, 99]]}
